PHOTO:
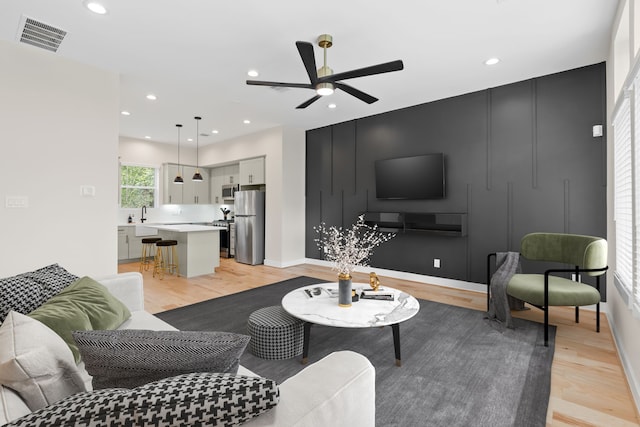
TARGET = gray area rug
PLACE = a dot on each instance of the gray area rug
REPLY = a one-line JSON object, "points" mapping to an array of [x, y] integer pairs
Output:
{"points": [[458, 369]]}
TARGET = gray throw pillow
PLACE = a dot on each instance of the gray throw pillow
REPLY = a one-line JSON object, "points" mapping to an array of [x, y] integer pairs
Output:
{"points": [[27, 291], [196, 399], [131, 357]]}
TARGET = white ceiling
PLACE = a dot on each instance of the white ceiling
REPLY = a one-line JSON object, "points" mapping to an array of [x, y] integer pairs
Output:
{"points": [[195, 54]]}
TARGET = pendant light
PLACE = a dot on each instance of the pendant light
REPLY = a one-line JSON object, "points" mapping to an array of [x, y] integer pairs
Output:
{"points": [[196, 176], [178, 179]]}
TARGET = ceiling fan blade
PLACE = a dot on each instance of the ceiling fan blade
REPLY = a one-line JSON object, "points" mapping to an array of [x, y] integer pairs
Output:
{"points": [[308, 59], [357, 93], [297, 85], [387, 67], [308, 102]]}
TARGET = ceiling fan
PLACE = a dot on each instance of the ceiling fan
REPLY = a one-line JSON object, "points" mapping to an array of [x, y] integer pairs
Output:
{"points": [[323, 81]]}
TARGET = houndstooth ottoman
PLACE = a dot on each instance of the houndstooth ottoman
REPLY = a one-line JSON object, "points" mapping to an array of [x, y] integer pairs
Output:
{"points": [[275, 334]]}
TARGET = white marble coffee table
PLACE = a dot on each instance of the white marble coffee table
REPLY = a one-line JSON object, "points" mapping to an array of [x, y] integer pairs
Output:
{"points": [[322, 309]]}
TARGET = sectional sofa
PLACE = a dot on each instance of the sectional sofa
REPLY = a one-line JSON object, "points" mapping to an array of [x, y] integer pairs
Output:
{"points": [[338, 390]]}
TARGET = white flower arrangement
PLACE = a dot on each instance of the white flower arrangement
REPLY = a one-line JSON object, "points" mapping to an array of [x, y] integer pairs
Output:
{"points": [[347, 249]]}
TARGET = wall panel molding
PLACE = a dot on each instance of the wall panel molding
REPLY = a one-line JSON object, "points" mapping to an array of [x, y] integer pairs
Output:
{"points": [[519, 158], [488, 141], [534, 135], [567, 206]]}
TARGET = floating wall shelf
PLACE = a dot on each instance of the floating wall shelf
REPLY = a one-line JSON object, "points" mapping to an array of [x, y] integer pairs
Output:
{"points": [[444, 224]]}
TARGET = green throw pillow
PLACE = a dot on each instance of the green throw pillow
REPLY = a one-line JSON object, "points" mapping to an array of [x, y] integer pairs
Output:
{"points": [[82, 306]]}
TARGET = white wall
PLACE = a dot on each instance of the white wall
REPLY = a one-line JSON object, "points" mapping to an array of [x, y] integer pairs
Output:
{"points": [[626, 328], [59, 132], [153, 154], [284, 173], [284, 152], [293, 197], [147, 153]]}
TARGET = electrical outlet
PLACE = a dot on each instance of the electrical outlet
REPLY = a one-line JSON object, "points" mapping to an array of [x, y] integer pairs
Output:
{"points": [[436, 263]]}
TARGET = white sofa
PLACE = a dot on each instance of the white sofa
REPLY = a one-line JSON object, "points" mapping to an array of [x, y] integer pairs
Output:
{"points": [[338, 390]]}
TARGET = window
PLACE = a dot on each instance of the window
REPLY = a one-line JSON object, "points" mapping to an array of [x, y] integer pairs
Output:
{"points": [[626, 191], [138, 186]]}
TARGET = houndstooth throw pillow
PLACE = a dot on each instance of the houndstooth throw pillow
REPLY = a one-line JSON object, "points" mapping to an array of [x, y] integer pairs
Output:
{"points": [[27, 291], [132, 357], [186, 400]]}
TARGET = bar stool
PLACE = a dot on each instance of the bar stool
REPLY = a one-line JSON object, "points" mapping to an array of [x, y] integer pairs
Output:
{"points": [[148, 247], [166, 260]]}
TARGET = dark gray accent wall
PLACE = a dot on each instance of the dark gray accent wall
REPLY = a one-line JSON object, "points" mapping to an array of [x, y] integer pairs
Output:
{"points": [[519, 158]]}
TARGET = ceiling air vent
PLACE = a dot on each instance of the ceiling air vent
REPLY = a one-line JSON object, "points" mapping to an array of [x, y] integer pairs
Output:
{"points": [[41, 35]]}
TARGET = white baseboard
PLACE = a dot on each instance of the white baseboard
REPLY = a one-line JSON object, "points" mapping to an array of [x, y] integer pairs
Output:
{"points": [[271, 263], [433, 280], [420, 278], [632, 378]]}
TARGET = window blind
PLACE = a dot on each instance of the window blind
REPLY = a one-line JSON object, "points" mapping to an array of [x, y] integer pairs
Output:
{"points": [[623, 196], [634, 300]]}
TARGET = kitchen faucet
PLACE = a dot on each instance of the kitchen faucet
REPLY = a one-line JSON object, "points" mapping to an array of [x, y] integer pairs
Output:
{"points": [[144, 210]]}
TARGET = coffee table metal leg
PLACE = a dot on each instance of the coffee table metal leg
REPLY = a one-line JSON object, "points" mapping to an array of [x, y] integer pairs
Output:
{"points": [[396, 342], [305, 342]]}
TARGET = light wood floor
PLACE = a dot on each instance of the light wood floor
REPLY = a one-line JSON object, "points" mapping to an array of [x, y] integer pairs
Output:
{"points": [[588, 386]]}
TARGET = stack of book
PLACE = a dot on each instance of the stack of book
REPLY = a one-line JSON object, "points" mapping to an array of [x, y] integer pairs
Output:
{"points": [[380, 294]]}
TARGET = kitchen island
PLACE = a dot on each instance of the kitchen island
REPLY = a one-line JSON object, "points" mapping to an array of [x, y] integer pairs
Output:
{"points": [[198, 246]]}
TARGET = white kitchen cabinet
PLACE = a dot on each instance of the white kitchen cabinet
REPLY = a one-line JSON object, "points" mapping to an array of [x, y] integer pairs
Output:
{"points": [[216, 180], [223, 175], [252, 171], [172, 193], [135, 244], [123, 243], [129, 245], [232, 174], [195, 192], [189, 193]]}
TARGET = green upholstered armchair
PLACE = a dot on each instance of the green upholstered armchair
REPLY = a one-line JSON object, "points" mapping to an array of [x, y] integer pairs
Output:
{"points": [[588, 254]]}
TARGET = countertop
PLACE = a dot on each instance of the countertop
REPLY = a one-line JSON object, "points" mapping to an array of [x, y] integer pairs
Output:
{"points": [[145, 224], [143, 229], [185, 228]]}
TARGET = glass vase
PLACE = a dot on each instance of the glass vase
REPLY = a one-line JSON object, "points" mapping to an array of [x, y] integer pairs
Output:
{"points": [[344, 290]]}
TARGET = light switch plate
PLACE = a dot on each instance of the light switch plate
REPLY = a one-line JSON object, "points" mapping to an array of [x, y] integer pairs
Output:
{"points": [[17, 202], [88, 191]]}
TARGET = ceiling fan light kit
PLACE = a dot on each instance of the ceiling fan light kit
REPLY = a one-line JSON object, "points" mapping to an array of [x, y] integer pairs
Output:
{"points": [[323, 80], [324, 89], [325, 41]]}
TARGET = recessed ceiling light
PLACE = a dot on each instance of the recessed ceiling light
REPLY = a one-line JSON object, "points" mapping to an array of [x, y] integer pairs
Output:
{"points": [[246, 122], [252, 73], [332, 106], [95, 7], [214, 131], [147, 137], [125, 113], [190, 139], [152, 97], [491, 61]]}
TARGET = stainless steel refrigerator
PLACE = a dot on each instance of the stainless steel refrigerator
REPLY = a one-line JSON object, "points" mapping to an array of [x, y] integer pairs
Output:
{"points": [[249, 224]]}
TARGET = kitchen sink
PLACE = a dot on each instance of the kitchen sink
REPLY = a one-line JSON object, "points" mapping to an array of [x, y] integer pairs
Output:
{"points": [[143, 230]]}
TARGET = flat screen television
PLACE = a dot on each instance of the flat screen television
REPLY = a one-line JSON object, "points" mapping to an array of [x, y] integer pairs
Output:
{"points": [[415, 178]]}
